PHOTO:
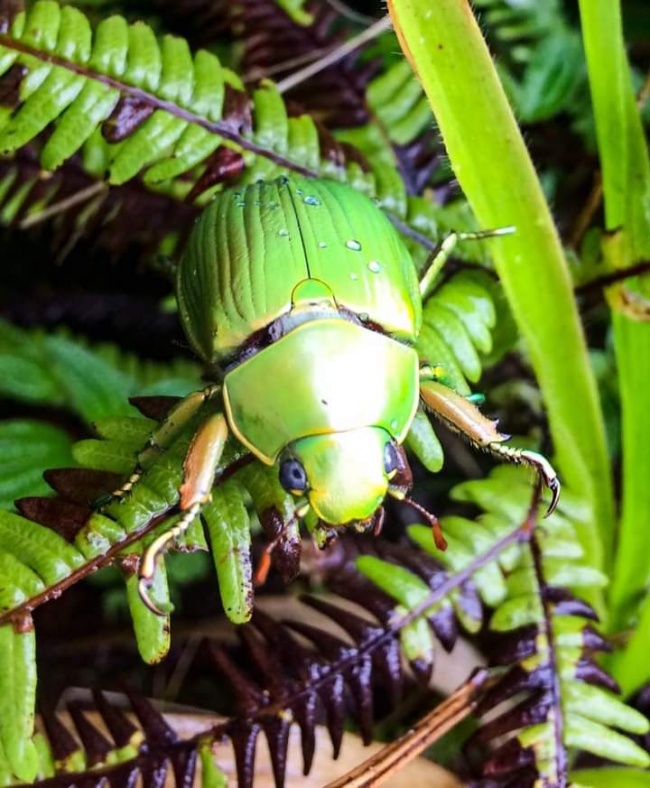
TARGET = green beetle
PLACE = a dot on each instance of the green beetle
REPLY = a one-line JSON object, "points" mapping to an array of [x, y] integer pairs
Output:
{"points": [[303, 296]]}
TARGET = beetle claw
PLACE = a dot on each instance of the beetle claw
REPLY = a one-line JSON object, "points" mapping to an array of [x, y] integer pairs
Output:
{"points": [[547, 474], [144, 585], [554, 486]]}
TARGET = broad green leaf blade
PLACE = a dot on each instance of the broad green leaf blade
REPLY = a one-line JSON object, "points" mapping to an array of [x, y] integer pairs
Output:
{"points": [[625, 163], [446, 50]]}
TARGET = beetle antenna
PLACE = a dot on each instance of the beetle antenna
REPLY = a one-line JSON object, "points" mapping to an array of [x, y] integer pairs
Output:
{"points": [[434, 522]]}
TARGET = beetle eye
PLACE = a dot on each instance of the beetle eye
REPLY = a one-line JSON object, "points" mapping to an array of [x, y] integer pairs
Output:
{"points": [[292, 476], [391, 460]]}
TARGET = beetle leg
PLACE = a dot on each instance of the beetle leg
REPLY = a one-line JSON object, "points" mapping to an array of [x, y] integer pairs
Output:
{"points": [[199, 470], [440, 254], [162, 437], [461, 415]]}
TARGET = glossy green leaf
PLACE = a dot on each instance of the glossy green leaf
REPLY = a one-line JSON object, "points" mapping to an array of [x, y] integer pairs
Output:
{"points": [[152, 632], [228, 525], [17, 698], [424, 443], [611, 777], [604, 742], [444, 45], [211, 774]]}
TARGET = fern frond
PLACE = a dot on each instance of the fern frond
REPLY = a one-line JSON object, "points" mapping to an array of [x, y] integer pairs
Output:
{"points": [[55, 370], [458, 321], [568, 702], [270, 37], [385, 115], [97, 742], [181, 123], [326, 669], [18, 753], [21, 471], [541, 60], [77, 202]]}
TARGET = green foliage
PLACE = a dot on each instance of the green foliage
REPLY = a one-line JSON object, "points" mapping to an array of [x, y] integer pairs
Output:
{"points": [[135, 107], [541, 61], [21, 470], [41, 369], [45, 369], [122, 131], [525, 583]]}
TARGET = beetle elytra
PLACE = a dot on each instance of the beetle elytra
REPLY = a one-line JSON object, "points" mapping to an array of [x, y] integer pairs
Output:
{"points": [[303, 296]]}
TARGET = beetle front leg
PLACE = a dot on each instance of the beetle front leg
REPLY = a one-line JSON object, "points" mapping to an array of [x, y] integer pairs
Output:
{"points": [[461, 415], [199, 470], [162, 438]]}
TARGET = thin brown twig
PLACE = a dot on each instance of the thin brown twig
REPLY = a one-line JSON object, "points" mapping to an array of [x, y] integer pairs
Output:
{"points": [[595, 196], [384, 764], [83, 195], [613, 277], [258, 72], [350, 13], [592, 204], [379, 27]]}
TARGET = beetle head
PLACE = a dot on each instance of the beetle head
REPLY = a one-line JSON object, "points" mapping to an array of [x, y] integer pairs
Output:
{"points": [[344, 475]]}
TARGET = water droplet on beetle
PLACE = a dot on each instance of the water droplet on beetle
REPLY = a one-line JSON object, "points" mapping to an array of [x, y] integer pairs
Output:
{"points": [[354, 277], [354, 245], [241, 204], [298, 191], [374, 266], [284, 233], [322, 245], [393, 424], [310, 200]]}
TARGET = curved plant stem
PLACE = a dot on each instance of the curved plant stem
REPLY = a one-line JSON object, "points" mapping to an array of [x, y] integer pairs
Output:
{"points": [[444, 45], [626, 186]]}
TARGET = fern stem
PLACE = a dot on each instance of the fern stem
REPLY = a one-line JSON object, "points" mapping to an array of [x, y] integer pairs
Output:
{"points": [[145, 97], [445, 47]]}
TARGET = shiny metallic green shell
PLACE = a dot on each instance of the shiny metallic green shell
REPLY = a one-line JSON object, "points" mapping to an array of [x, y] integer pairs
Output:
{"points": [[252, 246], [343, 376]]}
